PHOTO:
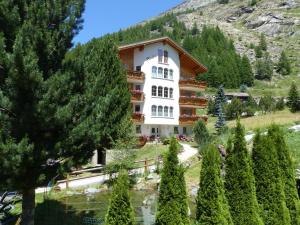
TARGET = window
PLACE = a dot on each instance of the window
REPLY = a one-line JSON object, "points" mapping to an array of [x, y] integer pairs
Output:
{"points": [[138, 68], [153, 110], [154, 91], [160, 55], [171, 93], [154, 71], [160, 72], [171, 112], [166, 111], [171, 74], [166, 90], [137, 87], [166, 56], [184, 130], [176, 130], [137, 108], [166, 73], [138, 129], [160, 89], [160, 110]]}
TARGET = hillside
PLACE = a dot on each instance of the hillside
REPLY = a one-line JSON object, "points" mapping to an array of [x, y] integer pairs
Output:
{"points": [[279, 20]]}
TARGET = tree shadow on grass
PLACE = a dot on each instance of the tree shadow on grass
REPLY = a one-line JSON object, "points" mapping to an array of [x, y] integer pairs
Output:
{"points": [[53, 212]]}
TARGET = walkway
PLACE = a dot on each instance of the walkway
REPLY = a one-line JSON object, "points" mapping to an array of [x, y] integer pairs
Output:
{"points": [[187, 153]]}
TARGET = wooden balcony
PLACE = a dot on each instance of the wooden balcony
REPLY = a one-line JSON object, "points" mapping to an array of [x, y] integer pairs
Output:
{"points": [[191, 119], [135, 77], [138, 117], [192, 85], [192, 102], [137, 96]]}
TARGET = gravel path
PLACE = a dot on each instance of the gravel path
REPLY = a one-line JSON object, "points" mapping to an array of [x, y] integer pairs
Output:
{"points": [[188, 152]]}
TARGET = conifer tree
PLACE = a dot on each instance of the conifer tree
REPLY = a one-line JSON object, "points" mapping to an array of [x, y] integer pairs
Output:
{"points": [[293, 98], [220, 123], [172, 201], [264, 68], [287, 173], [120, 210], [283, 66], [269, 186], [258, 52], [201, 134], [220, 97], [263, 42], [239, 182], [212, 206], [247, 76], [56, 109]]}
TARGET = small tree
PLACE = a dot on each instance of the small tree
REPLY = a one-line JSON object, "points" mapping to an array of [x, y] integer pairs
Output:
{"points": [[269, 185], [239, 182], [280, 104], [220, 123], [264, 68], [234, 109], [287, 173], [293, 98], [172, 200], [283, 66], [263, 42], [266, 104], [212, 206], [120, 210], [201, 133], [258, 52]]}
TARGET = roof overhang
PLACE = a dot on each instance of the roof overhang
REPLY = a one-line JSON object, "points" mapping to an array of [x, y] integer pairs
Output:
{"points": [[193, 63]]}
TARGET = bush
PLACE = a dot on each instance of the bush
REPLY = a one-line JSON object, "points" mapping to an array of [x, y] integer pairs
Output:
{"points": [[165, 140], [201, 134], [234, 109], [280, 104]]}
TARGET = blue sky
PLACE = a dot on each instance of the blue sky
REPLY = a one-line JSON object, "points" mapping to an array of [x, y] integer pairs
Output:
{"points": [[107, 16]]}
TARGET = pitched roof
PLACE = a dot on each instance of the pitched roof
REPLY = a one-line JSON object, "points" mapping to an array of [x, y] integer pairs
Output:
{"points": [[183, 54]]}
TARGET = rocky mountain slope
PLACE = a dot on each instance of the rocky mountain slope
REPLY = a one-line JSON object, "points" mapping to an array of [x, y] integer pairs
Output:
{"points": [[279, 20]]}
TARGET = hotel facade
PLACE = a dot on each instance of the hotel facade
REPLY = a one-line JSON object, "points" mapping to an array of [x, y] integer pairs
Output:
{"points": [[162, 79]]}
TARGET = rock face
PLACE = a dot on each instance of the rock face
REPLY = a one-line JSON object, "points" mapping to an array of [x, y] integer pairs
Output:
{"points": [[279, 20]]}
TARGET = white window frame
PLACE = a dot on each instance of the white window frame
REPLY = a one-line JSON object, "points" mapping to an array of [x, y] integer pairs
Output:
{"points": [[154, 71], [160, 91], [160, 111], [166, 111], [154, 110], [154, 91]]}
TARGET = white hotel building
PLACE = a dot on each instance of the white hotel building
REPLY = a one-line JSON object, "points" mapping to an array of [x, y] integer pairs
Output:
{"points": [[161, 77]]}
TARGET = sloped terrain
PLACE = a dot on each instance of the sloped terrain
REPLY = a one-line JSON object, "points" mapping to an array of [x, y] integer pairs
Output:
{"points": [[279, 20]]}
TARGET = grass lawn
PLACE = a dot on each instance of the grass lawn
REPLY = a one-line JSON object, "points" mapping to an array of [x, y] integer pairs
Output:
{"points": [[150, 151], [192, 174], [284, 117]]}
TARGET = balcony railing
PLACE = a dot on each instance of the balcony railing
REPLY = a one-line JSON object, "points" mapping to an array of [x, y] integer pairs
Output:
{"points": [[192, 85], [193, 101], [191, 119], [135, 76], [137, 96], [138, 117]]}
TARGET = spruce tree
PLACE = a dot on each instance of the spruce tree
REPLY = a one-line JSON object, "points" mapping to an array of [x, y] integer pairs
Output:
{"points": [[120, 210], [172, 201], [212, 206], [239, 182], [220, 123], [269, 185], [293, 98], [287, 171], [201, 134], [247, 76], [264, 68], [283, 66], [55, 110]]}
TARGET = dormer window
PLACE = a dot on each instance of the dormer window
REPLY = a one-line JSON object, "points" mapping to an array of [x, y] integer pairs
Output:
{"points": [[166, 55], [160, 55]]}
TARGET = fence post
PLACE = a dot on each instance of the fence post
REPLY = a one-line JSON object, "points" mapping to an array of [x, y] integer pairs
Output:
{"points": [[146, 166]]}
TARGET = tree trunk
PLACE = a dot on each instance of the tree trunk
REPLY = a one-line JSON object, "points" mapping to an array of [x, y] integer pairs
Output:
{"points": [[28, 207]]}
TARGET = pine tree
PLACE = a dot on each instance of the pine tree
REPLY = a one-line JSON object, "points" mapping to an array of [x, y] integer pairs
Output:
{"points": [[258, 52], [201, 134], [220, 123], [55, 110], [263, 42], [247, 76], [172, 201], [293, 98], [287, 173], [220, 98], [269, 186], [283, 66], [212, 206], [264, 68], [120, 210], [239, 182]]}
